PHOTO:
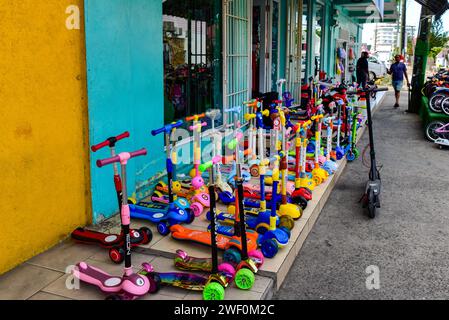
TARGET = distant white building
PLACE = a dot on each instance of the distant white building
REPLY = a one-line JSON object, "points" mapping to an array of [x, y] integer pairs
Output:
{"points": [[386, 39]]}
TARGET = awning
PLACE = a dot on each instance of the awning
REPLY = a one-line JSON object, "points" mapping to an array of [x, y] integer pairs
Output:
{"points": [[437, 7], [370, 11]]}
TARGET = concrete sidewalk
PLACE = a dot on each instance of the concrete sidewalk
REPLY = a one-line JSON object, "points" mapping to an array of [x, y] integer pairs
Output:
{"points": [[407, 241]]}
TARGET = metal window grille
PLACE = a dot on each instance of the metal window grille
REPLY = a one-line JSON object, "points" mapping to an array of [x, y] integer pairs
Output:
{"points": [[237, 56]]}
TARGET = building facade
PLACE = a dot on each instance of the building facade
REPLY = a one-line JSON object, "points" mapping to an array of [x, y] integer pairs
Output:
{"points": [[80, 71]]}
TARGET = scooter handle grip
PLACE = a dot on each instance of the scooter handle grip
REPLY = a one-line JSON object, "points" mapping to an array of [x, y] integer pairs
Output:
{"points": [[233, 109], [203, 167], [249, 116], [307, 123], [167, 129], [120, 157], [110, 141], [196, 117], [197, 126]]}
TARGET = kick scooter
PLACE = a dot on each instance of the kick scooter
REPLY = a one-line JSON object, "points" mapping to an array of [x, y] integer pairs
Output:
{"points": [[131, 285], [244, 278], [319, 175], [371, 198], [330, 166], [220, 274], [161, 214], [113, 241]]}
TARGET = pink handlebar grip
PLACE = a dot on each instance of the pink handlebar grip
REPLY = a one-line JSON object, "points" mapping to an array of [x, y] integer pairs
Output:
{"points": [[197, 126], [141, 152], [110, 141], [122, 157], [104, 162]]}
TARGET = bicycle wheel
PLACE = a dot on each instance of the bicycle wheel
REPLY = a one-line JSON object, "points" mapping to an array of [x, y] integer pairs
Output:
{"points": [[431, 135], [445, 105], [435, 102]]}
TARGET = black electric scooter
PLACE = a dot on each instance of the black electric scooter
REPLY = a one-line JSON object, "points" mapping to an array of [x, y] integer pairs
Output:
{"points": [[371, 198]]}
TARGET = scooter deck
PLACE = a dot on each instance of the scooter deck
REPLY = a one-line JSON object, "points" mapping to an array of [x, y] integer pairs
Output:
{"points": [[203, 237], [105, 240], [158, 212], [186, 281]]}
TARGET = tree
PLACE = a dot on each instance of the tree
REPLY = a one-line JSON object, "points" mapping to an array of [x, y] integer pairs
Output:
{"points": [[438, 38]]}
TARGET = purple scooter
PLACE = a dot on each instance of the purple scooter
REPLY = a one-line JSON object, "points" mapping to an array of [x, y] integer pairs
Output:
{"points": [[131, 285]]}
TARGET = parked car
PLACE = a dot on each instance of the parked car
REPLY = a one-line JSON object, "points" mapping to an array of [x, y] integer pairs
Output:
{"points": [[377, 68]]}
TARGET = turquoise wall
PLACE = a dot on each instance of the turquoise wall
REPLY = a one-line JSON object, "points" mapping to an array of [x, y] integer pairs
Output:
{"points": [[125, 89]]}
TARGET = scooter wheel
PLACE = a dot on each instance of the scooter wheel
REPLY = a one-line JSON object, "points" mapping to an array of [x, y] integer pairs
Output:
{"points": [[132, 201], [287, 231], [148, 234], [254, 171], [371, 205], [244, 279], [269, 248], [350, 156], [286, 222], [213, 291], [114, 297], [155, 283], [228, 270], [191, 216], [163, 229], [196, 208], [301, 201], [117, 254], [208, 216], [232, 256], [257, 257]]}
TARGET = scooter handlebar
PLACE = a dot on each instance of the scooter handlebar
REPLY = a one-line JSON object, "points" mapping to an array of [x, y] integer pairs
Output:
{"points": [[233, 109], [196, 117], [167, 129], [124, 156], [110, 141]]}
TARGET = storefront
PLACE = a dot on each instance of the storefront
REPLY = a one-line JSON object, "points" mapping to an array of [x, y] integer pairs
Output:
{"points": [[145, 63]]}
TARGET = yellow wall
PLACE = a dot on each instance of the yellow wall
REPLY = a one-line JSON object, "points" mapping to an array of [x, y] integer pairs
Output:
{"points": [[44, 168]]}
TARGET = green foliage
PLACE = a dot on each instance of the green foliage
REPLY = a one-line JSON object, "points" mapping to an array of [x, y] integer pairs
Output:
{"points": [[438, 38]]}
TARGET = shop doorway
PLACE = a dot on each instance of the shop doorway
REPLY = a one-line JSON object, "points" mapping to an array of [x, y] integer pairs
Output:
{"points": [[265, 46]]}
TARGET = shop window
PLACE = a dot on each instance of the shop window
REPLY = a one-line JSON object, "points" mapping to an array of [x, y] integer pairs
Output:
{"points": [[304, 43], [192, 57], [319, 30], [275, 46]]}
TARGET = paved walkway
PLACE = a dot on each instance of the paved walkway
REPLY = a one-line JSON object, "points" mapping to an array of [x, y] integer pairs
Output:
{"points": [[408, 241]]}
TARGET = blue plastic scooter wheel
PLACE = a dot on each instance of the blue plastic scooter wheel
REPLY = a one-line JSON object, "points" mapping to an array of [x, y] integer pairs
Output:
{"points": [[286, 230], [163, 229], [269, 248], [208, 216], [232, 256], [350, 156]]}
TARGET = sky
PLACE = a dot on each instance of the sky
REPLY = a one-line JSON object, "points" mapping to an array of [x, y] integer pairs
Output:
{"points": [[413, 14]]}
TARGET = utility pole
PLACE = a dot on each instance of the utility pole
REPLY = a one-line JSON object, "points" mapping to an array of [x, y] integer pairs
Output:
{"points": [[420, 63], [403, 41]]}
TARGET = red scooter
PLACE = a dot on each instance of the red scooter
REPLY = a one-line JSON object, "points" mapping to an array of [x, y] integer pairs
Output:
{"points": [[113, 242]]}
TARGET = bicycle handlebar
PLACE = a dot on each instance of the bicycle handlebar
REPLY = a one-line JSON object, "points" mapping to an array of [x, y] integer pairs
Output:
{"points": [[110, 141]]}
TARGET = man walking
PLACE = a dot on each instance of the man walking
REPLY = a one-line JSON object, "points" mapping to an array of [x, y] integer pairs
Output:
{"points": [[362, 70], [398, 70]]}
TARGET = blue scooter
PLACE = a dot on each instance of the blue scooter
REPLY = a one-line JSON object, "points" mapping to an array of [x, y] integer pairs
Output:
{"points": [[164, 215]]}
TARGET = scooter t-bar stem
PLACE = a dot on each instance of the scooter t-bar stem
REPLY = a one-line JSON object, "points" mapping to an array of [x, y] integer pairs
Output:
{"points": [[110, 142]]}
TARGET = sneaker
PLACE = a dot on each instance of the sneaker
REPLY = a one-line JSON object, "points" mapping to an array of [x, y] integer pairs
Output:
{"points": [[396, 105]]}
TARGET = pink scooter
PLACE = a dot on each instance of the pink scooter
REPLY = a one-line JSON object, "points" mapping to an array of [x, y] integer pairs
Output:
{"points": [[131, 285]]}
